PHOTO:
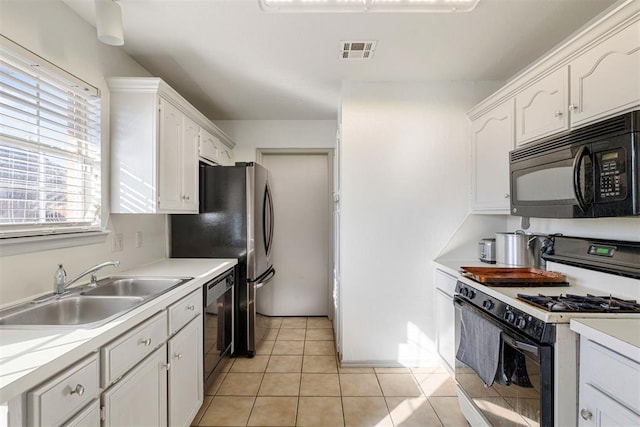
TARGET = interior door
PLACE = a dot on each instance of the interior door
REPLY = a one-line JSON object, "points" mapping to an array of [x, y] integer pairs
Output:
{"points": [[300, 243]]}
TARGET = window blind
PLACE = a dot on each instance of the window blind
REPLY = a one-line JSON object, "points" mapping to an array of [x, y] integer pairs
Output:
{"points": [[49, 147]]}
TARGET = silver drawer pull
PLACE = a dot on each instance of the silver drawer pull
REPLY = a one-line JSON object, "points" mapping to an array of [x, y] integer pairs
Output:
{"points": [[191, 307], [558, 113], [79, 390], [166, 366], [586, 414], [146, 342], [178, 356]]}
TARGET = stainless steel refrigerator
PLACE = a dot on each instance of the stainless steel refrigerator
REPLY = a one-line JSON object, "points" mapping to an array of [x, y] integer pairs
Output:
{"points": [[235, 221]]}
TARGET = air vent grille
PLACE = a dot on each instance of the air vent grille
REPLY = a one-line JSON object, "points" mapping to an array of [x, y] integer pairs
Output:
{"points": [[615, 126], [357, 49]]}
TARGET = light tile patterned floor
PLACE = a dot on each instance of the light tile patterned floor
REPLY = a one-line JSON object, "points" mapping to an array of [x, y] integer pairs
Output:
{"points": [[295, 380]]}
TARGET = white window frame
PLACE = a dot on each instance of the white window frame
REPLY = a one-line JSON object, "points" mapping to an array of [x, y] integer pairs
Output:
{"points": [[16, 239]]}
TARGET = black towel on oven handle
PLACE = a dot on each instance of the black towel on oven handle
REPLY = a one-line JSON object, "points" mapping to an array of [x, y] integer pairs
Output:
{"points": [[479, 346], [512, 367]]}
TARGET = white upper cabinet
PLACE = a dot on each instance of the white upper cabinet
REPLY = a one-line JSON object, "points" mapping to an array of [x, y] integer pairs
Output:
{"points": [[605, 79], [209, 148], [226, 156], [177, 161], [491, 141], [541, 109], [155, 146]]}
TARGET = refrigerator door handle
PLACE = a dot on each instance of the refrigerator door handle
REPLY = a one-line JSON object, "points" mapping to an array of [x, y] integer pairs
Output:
{"points": [[267, 219], [267, 277]]}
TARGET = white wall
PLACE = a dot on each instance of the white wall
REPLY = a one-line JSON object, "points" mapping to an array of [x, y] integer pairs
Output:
{"points": [[251, 134], [53, 31], [604, 228], [404, 191]]}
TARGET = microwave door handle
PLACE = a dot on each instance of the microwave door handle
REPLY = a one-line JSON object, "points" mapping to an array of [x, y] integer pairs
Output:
{"points": [[582, 204]]}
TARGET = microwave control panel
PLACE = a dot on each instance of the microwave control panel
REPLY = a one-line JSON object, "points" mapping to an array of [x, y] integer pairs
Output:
{"points": [[611, 175]]}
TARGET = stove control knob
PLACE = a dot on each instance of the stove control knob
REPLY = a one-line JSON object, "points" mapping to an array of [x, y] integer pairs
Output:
{"points": [[488, 304], [464, 292], [521, 322], [509, 316], [472, 294]]}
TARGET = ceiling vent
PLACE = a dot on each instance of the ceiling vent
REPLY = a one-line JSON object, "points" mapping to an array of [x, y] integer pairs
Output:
{"points": [[357, 50]]}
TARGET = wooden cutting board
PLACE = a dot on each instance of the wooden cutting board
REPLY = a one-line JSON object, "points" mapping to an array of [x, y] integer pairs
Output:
{"points": [[514, 276]]}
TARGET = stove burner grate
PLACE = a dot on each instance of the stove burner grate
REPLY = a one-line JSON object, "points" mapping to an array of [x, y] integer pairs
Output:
{"points": [[583, 303]]}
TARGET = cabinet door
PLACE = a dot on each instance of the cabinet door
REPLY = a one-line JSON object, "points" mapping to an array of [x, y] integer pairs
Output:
{"points": [[89, 417], [190, 166], [491, 140], [599, 410], [185, 375], [541, 108], [140, 397], [170, 157], [606, 79], [226, 156], [445, 328], [209, 146]]}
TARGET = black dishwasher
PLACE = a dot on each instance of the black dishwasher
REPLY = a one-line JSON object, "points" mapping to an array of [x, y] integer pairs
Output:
{"points": [[218, 324]]}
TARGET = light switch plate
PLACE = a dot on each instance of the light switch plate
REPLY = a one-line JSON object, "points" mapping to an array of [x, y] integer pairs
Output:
{"points": [[117, 243], [139, 239]]}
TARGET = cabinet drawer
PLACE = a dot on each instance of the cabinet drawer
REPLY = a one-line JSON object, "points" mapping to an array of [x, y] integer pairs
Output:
{"points": [[610, 372], [89, 417], [445, 282], [124, 352], [184, 310], [61, 397]]}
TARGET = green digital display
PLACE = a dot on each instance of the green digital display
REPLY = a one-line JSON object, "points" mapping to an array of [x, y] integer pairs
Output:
{"points": [[602, 250]]}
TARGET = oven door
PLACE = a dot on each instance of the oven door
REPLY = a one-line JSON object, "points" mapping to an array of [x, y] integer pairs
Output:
{"points": [[522, 393]]}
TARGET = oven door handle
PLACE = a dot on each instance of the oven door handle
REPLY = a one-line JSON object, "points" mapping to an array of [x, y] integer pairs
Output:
{"points": [[529, 348]]}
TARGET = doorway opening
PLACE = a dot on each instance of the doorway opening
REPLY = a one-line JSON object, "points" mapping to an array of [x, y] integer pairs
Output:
{"points": [[302, 187]]}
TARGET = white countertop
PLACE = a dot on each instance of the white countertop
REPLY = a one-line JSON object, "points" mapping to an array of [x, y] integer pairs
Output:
{"points": [[509, 294], [620, 335], [30, 355]]}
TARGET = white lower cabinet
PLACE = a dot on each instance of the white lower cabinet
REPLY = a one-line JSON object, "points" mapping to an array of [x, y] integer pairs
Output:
{"points": [[140, 397], [609, 387], [60, 398], [445, 319], [150, 375], [186, 392], [88, 417], [599, 410]]}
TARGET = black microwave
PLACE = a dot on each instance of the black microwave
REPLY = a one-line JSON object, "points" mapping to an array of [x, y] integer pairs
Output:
{"points": [[590, 172]]}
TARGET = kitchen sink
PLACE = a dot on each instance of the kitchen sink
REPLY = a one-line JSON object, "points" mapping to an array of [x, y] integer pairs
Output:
{"points": [[134, 286], [90, 306], [71, 311]]}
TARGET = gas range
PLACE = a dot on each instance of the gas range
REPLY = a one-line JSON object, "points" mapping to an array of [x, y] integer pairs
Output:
{"points": [[534, 333], [591, 291], [582, 303]]}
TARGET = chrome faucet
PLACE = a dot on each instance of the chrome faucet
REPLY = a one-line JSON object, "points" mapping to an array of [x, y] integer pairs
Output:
{"points": [[60, 280]]}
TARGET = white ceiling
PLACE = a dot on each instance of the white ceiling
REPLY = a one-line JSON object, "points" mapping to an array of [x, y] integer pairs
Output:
{"points": [[233, 61]]}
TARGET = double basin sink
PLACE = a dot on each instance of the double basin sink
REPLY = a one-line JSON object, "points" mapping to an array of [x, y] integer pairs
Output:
{"points": [[90, 306]]}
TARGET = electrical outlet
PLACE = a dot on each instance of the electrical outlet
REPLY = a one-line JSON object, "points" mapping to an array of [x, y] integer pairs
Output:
{"points": [[139, 239], [117, 244]]}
